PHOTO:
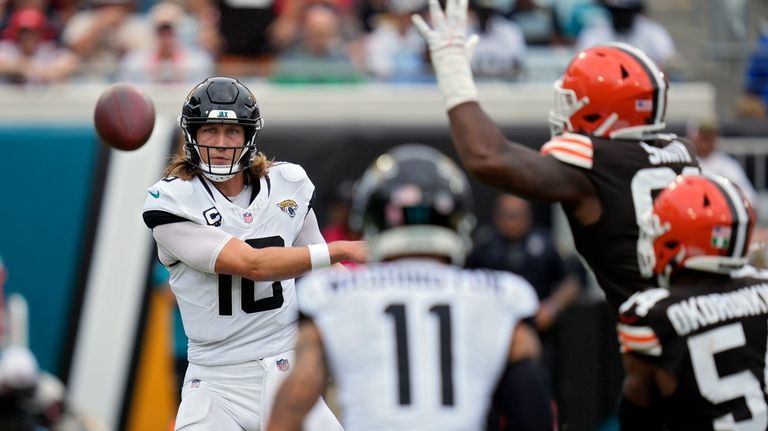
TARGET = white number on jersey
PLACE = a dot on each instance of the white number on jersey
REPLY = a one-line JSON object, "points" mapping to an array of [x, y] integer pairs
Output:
{"points": [[648, 180], [645, 182], [717, 389]]}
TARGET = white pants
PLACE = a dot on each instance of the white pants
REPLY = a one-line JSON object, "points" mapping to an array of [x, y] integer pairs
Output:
{"points": [[240, 397]]}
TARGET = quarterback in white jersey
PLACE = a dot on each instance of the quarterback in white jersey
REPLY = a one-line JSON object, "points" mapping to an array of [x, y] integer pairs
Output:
{"points": [[414, 341], [229, 318], [234, 230]]}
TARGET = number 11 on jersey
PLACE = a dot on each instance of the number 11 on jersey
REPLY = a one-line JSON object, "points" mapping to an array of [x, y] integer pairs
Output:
{"points": [[443, 313]]}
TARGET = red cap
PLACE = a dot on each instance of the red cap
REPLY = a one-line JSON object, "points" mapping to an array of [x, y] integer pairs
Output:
{"points": [[27, 18]]}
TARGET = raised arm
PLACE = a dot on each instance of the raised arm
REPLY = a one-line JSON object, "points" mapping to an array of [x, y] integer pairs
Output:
{"points": [[509, 166], [483, 149]]}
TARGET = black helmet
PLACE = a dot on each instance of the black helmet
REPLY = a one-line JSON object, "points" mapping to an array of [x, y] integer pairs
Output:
{"points": [[221, 100], [414, 200]]}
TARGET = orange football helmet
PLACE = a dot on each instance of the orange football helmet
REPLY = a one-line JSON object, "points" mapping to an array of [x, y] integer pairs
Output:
{"points": [[697, 222], [612, 90]]}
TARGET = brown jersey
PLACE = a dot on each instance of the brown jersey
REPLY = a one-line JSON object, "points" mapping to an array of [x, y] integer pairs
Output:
{"points": [[627, 174], [711, 335]]}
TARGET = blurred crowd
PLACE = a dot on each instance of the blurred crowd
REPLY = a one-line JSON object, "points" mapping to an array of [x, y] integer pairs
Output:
{"points": [[161, 41], [316, 41], [313, 41], [294, 40]]}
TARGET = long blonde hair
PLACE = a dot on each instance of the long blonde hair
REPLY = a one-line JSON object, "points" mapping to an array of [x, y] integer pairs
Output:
{"points": [[182, 168]]}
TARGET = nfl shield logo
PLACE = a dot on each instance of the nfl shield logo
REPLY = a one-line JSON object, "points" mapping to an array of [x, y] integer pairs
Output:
{"points": [[194, 384], [283, 365], [248, 217]]}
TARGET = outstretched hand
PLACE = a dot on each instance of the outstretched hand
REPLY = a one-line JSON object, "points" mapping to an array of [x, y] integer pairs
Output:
{"points": [[353, 251], [451, 50], [449, 28]]}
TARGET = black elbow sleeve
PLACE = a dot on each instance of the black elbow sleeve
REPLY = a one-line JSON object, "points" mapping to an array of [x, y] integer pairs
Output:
{"points": [[633, 417], [523, 397]]}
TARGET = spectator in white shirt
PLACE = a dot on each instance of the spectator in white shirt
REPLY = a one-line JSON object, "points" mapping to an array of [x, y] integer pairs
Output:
{"points": [[168, 60], [628, 24], [394, 50], [704, 133], [500, 52]]}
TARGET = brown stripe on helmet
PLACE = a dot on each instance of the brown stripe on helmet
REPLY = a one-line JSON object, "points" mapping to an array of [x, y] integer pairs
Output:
{"points": [[735, 224], [659, 94]]}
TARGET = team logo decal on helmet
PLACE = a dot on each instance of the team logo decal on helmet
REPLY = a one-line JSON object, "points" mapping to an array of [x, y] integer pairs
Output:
{"points": [[697, 222], [613, 90], [220, 100]]}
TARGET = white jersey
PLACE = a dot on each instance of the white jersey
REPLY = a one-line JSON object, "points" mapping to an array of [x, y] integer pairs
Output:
{"points": [[229, 319], [416, 344]]}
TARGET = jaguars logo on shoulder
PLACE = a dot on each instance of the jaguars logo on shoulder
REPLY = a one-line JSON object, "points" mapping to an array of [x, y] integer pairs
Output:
{"points": [[289, 206]]}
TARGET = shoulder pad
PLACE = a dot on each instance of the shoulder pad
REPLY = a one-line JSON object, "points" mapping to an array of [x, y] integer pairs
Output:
{"points": [[570, 148], [638, 339], [167, 189], [666, 137], [634, 329], [312, 292], [640, 303], [749, 271], [290, 171], [176, 186], [518, 292], [171, 196]]}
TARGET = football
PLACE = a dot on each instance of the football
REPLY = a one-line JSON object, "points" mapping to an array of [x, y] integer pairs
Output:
{"points": [[124, 117]]}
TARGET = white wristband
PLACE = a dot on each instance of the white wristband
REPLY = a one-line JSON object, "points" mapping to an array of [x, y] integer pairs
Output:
{"points": [[454, 76], [319, 256]]}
